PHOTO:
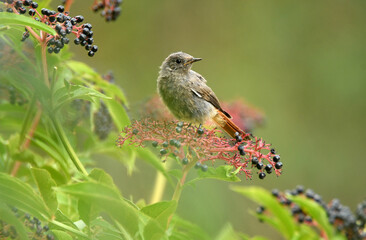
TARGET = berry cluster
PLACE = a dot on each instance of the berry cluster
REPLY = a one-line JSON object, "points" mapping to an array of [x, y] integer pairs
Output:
{"points": [[110, 9], [60, 21], [206, 145], [10, 94], [35, 229], [340, 216], [102, 122]]}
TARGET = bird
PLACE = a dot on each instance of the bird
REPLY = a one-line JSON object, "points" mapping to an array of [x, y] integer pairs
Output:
{"points": [[187, 96]]}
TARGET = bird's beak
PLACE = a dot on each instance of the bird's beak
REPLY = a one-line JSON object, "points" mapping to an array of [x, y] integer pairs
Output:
{"points": [[192, 60]]}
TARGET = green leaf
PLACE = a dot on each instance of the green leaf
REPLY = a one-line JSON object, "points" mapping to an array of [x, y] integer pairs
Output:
{"points": [[107, 230], [19, 194], [281, 219], [160, 211], [15, 19], [118, 114], [107, 199], [88, 76], [88, 211], [67, 94], [9, 217], [45, 185], [227, 232], [61, 235], [224, 173], [315, 211], [182, 230]]}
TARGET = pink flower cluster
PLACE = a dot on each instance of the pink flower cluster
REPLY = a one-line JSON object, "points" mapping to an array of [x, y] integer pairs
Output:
{"points": [[190, 142]]}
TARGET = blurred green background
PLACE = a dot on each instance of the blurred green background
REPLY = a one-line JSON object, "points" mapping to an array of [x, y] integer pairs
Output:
{"points": [[302, 62]]}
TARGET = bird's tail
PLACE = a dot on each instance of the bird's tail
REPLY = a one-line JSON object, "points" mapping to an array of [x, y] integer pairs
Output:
{"points": [[227, 125]]}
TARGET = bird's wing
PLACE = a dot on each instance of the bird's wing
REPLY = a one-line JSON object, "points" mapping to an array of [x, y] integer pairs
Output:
{"points": [[197, 75], [203, 91]]}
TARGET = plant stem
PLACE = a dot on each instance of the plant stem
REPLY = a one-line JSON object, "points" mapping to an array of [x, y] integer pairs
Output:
{"points": [[26, 142], [159, 186], [65, 142], [44, 63], [68, 5], [180, 184]]}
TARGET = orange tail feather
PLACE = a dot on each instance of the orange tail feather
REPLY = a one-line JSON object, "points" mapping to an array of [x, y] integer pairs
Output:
{"points": [[227, 125]]}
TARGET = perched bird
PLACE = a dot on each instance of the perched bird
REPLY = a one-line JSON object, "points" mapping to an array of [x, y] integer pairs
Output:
{"points": [[187, 95]]}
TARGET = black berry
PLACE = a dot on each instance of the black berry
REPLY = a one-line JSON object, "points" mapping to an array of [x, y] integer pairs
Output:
{"points": [[276, 158], [262, 175], [34, 5], [61, 8], [278, 165]]}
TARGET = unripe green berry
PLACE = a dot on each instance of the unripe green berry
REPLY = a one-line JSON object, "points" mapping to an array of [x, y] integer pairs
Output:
{"points": [[178, 129], [163, 151], [204, 168], [200, 131], [154, 143], [197, 165], [185, 161]]}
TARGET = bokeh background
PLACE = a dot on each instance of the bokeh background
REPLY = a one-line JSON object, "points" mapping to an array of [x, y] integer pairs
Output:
{"points": [[302, 62]]}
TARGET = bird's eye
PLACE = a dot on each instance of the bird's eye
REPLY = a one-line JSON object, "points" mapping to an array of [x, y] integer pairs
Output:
{"points": [[178, 61]]}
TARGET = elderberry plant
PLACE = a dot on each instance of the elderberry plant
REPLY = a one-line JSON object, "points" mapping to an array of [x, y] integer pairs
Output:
{"points": [[60, 21], [306, 215]]}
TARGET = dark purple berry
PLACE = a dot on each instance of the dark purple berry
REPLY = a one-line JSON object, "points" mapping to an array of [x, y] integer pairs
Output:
{"points": [[273, 151], [87, 25], [86, 31], [32, 12], [82, 37], [276, 158], [34, 5], [94, 48], [27, 2], [254, 160], [9, 10], [204, 168], [60, 8], [262, 175], [60, 18], [83, 43], [268, 168], [259, 166], [79, 18], [77, 41], [65, 40], [278, 165], [90, 40], [50, 49], [18, 4]]}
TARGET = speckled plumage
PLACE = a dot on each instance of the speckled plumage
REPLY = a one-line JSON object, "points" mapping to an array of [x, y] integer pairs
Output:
{"points": [[180, 87], [188, 97]]}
